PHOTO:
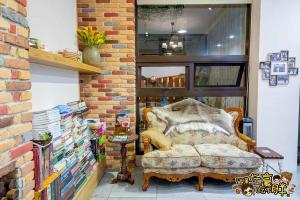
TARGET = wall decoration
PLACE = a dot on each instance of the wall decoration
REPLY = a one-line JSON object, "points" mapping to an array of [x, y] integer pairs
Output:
{"points": [[278, 68]]}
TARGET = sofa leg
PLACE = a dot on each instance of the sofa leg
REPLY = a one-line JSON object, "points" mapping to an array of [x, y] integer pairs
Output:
{"points": [[146, 184], [200, 183]]}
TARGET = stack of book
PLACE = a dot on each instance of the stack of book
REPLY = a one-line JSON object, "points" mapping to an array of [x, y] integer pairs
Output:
{"points": [[43, 123]]}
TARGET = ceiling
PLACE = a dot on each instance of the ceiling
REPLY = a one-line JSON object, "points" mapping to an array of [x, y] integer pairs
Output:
{"points": [[196, 20]]}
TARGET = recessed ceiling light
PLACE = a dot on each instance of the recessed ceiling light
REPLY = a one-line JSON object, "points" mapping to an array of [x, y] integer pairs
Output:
{"points": [[146, 33], [231, 36], [182, 31], [210, 9], [219, 45]]}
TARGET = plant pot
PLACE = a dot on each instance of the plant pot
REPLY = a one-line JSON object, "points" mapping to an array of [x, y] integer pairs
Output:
{"points": [[91, 55]]}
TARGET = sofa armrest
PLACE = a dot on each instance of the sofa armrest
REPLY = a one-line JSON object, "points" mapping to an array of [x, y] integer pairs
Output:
{"points": [[250, 143], [147, 143]]}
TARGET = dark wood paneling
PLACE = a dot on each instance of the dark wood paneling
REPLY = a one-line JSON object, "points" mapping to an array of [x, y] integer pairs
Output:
{"points": [[192, 59], [196, 92]]}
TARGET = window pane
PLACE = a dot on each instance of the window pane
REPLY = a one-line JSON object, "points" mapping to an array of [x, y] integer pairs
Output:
{"points": [[191, 30], [163, 77], [217, 75]]}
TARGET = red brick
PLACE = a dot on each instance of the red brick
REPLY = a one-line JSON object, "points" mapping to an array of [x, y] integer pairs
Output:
{"points": [[102, 1], [8, 168], [22, 2], [15, 85], [4, 49], [10, 38], [20, 150], [105, 81], [111, 111], [104, 98], [111, 14], [100, 85], [16, 96], [118, 72], [130, 1], [112, 94], [22, 42], [126, 59], [89, 19], [14, 74], [83, 15], [7, 121], [130, 19], [111, 32], [3, 109], [112, 41], [12, 28], [16, 63], [105, 55]]}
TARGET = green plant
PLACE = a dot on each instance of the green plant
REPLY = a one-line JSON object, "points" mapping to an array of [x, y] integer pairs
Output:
{"points": [[89, 37]]}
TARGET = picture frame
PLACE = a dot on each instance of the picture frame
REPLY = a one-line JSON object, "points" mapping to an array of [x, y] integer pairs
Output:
{"points": [[266, 73], [292, 62], [263, 65], [283, 80], [275, 57], [284, 55], [279, 68], [293, 71], [273, 81]]}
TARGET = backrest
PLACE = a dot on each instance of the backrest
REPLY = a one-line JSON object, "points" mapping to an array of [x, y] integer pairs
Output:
{"points": [[193, 135]]}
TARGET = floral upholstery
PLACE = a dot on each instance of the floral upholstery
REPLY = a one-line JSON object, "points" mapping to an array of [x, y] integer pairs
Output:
{"points": [[226, 156], [200, 170], [179, 156], [203, 137]]}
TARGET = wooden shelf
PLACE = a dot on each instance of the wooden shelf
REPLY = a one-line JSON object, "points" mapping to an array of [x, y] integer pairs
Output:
{"points": [[42, 57]]}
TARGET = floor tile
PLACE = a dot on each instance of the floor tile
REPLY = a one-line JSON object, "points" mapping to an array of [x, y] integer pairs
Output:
{"points": [[187, 189]]}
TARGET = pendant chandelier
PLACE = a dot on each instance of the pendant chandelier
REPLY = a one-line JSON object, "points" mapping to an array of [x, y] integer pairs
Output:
{"points": [[174, 44]]}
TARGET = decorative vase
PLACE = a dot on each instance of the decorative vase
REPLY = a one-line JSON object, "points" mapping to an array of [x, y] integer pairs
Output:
{"points": [[91, 55]]}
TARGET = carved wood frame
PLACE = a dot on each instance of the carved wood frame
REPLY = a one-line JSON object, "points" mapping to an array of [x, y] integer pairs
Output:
{"points": [[178, 177]]}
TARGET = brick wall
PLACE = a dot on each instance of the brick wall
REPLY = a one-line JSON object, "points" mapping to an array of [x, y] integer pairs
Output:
{"points": [[114, 90], [16, 165]]}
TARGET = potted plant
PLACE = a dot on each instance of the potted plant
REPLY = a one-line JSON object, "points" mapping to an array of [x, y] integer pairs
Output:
{"points": [[91, 39]]}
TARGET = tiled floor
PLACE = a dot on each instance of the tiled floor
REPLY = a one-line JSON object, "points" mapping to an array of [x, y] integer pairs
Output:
{"points": [[163, 190]]}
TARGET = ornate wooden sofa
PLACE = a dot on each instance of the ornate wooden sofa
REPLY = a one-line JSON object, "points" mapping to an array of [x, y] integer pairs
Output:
{"points": [[241, 161]]}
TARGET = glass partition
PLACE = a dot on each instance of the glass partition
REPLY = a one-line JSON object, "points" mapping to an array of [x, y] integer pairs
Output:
{"points": [[191, 30]]}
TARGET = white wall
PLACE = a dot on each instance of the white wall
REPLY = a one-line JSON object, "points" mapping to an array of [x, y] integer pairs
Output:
{"points": [[278, 107], [55, 23]]}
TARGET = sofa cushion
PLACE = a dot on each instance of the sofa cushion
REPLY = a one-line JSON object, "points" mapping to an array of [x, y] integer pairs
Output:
{"points": [[226, 156], [179, 156], [158, 139]]}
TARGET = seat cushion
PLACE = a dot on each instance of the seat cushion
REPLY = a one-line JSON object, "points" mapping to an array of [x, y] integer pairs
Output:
{"points": [[179, 156], [226, 156]]}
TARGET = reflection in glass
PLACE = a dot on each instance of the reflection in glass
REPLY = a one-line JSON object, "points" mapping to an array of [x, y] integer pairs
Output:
{"points": [[198, 30], [163, 77], [217, 76]]}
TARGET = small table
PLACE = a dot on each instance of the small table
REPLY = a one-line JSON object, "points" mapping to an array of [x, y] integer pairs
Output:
{"points": [[269, 156], [124, 174]]}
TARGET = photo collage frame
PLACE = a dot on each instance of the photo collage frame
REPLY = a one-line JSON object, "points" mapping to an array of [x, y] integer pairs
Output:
{"points": [[278, 68]]}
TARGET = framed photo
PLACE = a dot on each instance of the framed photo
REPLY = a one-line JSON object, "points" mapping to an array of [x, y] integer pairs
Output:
{"points": [[293, 71], [266, 73], [273, 81], [292, 62], [263, 65], [283, 80], [279, 68], [284, 55], [275, 57]]}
